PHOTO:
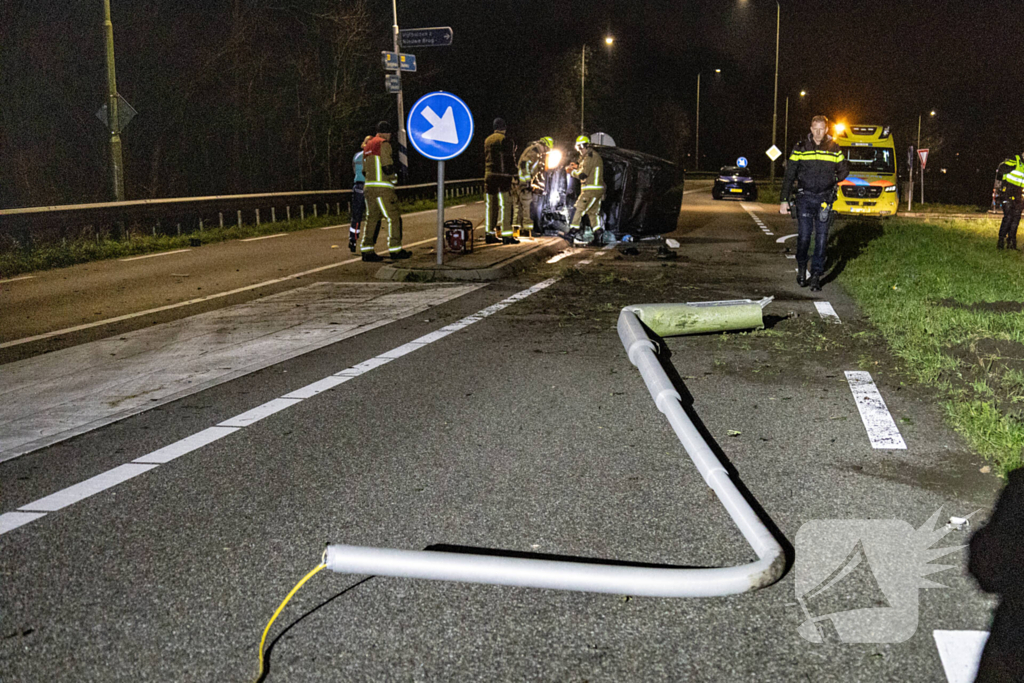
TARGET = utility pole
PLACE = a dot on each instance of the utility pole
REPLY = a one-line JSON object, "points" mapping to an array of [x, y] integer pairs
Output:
{"points": [[785, 129], [583, 84], [116, 161], [775, 103], [696, 127], [403, 156]]}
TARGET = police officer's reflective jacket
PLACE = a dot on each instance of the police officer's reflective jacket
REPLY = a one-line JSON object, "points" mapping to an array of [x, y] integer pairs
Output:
{"points": [[816, 168], [1011, 180]]}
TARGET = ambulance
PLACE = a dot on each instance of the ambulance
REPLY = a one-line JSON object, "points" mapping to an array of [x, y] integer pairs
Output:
{"points": [[871, 187]]}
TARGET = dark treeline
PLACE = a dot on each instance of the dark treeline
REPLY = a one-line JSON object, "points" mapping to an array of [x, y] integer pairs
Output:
{"points": [[239, 96]]}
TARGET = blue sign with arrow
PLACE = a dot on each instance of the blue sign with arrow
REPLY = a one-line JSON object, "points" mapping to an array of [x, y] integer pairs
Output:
{"points": [[440, 126], [742, 162]]}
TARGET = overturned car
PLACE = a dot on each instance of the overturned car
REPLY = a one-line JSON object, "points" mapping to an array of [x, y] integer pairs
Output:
{"points": [[643, 195]]}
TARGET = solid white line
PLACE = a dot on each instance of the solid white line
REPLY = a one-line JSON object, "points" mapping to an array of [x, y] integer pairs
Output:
{"points": [[827, 313], [162, 253], [186, 445], [558, 257], [264, 237], [89, 487], [878, 422], [699, 189], [101, 482], [960, 652], [784, 238], [259, 412], [17, 279], [333, 227], [12, 520]]}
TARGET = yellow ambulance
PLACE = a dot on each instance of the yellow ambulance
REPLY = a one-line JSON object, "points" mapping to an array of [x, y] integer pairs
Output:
{"points": [[870, 189]]}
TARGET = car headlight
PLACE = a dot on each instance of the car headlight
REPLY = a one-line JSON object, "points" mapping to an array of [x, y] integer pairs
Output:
{"points": [[890, 188]]}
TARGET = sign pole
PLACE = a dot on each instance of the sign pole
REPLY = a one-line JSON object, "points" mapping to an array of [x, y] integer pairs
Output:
{"points": [[403, 156], [440, 213]]}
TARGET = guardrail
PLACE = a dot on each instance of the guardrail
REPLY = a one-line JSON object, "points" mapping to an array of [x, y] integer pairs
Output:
{"points": [[182, 215]]}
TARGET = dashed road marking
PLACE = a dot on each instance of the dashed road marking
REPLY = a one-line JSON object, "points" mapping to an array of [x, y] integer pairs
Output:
{"points": [[101, 482], [162, 253], [960, 652], [827, 313], [878, 422]]}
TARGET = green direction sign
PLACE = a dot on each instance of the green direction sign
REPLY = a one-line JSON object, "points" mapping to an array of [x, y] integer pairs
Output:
{"points": [[398, 61], [439, 36]]}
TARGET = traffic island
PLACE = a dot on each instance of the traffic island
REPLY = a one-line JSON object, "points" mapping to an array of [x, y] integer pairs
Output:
{"points": [[485, 262]]}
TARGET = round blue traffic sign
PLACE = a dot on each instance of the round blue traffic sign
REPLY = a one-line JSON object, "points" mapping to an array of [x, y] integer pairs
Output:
{"points": [[742, 162], [440, 126]]}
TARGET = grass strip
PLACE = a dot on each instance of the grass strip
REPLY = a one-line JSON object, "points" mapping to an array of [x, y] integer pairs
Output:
{"points": [[84, 250], [952, 308]]}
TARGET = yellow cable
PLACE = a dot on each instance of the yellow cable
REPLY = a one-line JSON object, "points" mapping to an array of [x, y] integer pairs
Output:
{"points": [[270, 623]]}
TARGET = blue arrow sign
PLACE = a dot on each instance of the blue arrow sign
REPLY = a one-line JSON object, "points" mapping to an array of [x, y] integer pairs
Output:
{"points": [[440, 126], [742, 162]]}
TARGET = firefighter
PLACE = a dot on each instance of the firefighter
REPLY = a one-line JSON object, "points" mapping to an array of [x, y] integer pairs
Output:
{"points": [[531, 162], [590, 172], [358, 198], [1010, 176], [382, 203], [499, 166], [817, 165]]}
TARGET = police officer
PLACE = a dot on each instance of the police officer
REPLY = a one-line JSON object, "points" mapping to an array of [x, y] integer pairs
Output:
{"points": [[1010, 175], [531, 162], [590, 172], [499, 166], [358, 198], [382, 202], [817, 165]]}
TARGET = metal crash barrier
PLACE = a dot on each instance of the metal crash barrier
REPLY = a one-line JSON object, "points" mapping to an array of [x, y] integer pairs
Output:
{"points": [[621, 579]]}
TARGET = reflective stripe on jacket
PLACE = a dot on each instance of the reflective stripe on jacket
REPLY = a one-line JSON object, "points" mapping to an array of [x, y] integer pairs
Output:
{"points": [[815, 168], [590, 171], [378, 166]]}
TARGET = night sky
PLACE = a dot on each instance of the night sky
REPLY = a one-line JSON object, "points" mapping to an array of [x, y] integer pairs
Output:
{"points": [[860, 62]]}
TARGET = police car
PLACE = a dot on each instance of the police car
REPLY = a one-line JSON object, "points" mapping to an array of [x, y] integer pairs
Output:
{"points": [[734, 182]]}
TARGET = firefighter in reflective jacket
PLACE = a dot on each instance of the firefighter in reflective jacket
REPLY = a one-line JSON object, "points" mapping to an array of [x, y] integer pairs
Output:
{"points": [[590, 172], [499, 166], [1010, 175], [817, 165], [381, 201], [531, 162]]}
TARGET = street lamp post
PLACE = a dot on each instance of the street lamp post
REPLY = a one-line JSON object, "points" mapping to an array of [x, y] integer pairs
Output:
{"points": [[403, 157], [609, 41], [785, 126], [910, 194], [116, 160], [775, 103], [696, 127]]}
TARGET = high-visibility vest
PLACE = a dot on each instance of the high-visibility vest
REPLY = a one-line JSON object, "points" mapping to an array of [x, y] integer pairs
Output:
{"points": [[592, 170], [1015, 176], [376, 157]]}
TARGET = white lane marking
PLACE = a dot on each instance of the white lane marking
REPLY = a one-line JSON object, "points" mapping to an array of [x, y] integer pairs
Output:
{"points": [[186, 445], [332, 227], [785, 237], [259, 412], [263, 237], [960, 652], [311, 390], [558, 257], [672, 244], [12, 520], [112, 477], [699, 189], [793, 256], [878, 422], [162, 253], [17, 279], [89, 487], [827, 313]]}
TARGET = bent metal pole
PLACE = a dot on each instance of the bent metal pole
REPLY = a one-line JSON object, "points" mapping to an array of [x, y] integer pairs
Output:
{"points": [[597, 577]]}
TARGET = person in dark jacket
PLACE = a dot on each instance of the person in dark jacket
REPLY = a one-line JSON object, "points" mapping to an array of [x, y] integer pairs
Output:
{"points": [[499, 169], [1010, 176], [995, 560], [817, 165]]}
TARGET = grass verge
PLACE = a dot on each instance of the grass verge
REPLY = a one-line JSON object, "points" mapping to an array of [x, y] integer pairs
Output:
{"points": [[952, 308], [72, 252]]}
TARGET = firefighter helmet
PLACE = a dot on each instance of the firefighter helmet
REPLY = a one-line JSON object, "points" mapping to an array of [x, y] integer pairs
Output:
{"points": [[582, 140], [550, 142]]}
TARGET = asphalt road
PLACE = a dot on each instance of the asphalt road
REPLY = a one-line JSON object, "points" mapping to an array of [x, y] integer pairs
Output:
{"points": [[527, 430]]}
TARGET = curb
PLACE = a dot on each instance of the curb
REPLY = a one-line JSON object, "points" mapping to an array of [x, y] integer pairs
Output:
{"points": [[951, 216], [549, 246]]}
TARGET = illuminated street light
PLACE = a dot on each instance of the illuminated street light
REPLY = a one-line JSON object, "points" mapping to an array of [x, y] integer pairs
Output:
{"points": [[609, 40]]}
